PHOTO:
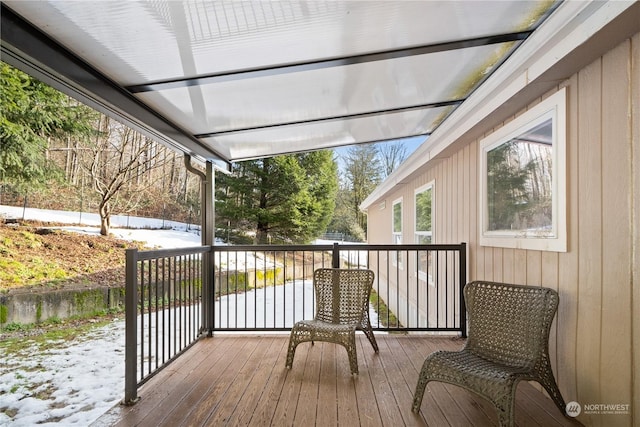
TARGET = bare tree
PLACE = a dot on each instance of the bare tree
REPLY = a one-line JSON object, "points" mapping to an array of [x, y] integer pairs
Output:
{"points": [[116, 163], [391, 154], [362, 173]]}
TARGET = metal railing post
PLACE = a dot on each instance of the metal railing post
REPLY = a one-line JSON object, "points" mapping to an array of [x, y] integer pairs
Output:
{"points": [[131, 326], [463, 281], [208, 239], [208, 290], [335, 256]]}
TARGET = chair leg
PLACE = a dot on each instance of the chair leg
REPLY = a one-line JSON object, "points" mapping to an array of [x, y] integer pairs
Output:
{"points": [[291, 351], [506, 411], [294, 340], [548, 381], [504, 400], [372, 339], [366, 328], [352, 353], [420, 388]]}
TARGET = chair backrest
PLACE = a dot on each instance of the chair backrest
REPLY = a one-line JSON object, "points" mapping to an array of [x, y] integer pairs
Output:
{"points": [[342, 294], [510, 324]]}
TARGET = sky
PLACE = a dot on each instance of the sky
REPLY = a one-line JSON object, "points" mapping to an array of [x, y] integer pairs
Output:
{"points": [[74, 383], [411, 145]]}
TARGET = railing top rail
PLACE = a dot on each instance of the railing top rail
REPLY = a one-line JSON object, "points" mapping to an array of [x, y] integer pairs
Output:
{"points": [[342, 245], [171, 252], [272, 248], [412, 246], [163, 253]]}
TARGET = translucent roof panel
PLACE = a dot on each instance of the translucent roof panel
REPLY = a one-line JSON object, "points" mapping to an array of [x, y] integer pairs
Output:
{"points": [[328, 92], [327, 134], [206, 68]]}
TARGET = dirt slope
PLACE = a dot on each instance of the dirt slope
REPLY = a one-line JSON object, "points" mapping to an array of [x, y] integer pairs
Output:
{"points": [[33, 257]]}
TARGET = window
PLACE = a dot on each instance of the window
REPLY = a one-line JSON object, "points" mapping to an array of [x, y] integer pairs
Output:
{"points": [[523, 180], [424, 231], [397, 230], [423, 203]]}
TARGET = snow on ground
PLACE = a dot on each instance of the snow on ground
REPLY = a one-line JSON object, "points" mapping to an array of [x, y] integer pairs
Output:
{"points": [[155, 232], [85, 218], [68, 384], [73, 384]]}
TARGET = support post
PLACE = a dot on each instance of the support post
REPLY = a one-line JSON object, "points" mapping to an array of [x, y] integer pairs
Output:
{"points": [[208, 239], [335, 256], [131, 328], [463, 281]]}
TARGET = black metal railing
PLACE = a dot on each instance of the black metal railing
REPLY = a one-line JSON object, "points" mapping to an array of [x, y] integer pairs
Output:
{"points": [[269, 288], [164, 296]]}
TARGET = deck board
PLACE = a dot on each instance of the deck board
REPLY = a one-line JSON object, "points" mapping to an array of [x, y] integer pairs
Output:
{"points": [[241, 380], [327, 409]]}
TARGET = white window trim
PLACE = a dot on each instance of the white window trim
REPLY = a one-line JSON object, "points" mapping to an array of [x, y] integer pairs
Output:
{"points": [[393, 205], [556, 240], [394, 233], [430, 185]]}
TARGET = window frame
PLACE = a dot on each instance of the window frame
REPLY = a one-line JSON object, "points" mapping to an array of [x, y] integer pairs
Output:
{"points": [[430, 186], [395, 235], [554, 108]]}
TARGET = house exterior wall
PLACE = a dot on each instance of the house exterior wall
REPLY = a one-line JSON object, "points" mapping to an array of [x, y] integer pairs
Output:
{"points": [[598, 278]]}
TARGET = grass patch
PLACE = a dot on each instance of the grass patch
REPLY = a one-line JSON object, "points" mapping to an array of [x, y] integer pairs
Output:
{"points": [[37, 270], [385, 316], [53, 333]]}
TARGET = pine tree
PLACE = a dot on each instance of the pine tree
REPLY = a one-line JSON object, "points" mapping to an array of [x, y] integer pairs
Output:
{"points": [[507, 197], [32, 115], [283, 199]]}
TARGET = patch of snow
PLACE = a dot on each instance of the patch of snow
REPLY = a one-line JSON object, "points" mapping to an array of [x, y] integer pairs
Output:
{"points": [[71, 383], [84, 218], [155, 233]]}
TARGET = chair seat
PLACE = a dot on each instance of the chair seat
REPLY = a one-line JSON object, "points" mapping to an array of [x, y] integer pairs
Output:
{"points": [[319, 327], [470, 370]]}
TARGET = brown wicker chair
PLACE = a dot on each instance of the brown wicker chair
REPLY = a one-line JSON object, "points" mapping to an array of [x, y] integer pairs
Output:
{"points": [[342, 306], [508, 342]]}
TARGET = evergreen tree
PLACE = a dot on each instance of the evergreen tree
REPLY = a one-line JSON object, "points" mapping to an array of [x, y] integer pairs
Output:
{"points": [[283, 199], [344, 221], [507, 197], [32, 114]]}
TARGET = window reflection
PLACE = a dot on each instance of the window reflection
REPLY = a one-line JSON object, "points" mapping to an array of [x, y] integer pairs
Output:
{"points": [[519, 182]]}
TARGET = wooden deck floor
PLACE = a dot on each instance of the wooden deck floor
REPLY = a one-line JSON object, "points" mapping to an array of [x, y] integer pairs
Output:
{"points": [[242, 380]]}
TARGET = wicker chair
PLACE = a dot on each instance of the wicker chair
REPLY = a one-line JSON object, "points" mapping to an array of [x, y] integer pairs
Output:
{"points": [[342, 306], [508, 342]]}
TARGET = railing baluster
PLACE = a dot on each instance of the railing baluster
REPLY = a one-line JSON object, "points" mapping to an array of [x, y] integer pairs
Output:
{"points": [[163, 302], [192, 283], [462, 280]]}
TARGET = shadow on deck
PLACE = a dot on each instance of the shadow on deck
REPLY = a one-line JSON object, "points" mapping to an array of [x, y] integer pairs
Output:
{"points": [[242, 380]]}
